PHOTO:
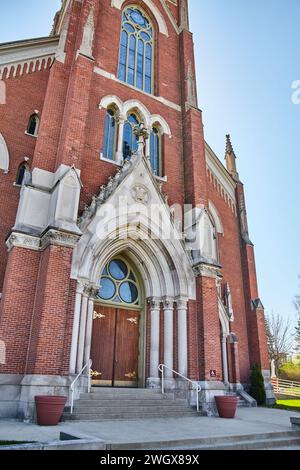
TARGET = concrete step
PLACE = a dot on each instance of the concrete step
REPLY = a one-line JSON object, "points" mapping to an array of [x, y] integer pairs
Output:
{"points": [[132, 409], [120, 391], [128, 403], [117, 416], [279, 440], [133, 396]]}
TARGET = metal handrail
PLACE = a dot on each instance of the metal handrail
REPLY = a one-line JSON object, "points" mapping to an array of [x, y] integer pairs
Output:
{"points": [[72, 386], [161, 369]]}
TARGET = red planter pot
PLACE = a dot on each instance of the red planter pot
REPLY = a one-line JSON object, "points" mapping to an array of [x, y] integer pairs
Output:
{"points": [[49, 409], [226, 406]]}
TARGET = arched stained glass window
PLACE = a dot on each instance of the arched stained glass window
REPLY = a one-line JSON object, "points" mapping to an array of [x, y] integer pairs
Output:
{"points": [[21, 173], [130, 143], [155, 152], [136, 50], [119, 284], [110, 135], [33, 125]]}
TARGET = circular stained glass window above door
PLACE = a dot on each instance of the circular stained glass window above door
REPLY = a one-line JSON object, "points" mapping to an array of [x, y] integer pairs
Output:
{"points": [[118, 284]]}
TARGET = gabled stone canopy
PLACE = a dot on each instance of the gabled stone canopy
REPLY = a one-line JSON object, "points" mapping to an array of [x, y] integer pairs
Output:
{"points": [[131, 215]]}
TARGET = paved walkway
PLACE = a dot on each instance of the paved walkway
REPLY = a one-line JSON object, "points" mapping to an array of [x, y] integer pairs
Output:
{"points": [[248, 421]]}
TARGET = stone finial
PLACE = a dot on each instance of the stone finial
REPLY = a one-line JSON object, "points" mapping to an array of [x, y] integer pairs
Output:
{"points": [[230, 158]]}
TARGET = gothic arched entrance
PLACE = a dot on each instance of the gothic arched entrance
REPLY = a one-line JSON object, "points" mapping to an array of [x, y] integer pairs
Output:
{"points": [[117, 349]]}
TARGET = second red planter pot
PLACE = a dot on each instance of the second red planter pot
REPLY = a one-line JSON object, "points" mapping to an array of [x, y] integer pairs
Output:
{"points": [[227, 406]]}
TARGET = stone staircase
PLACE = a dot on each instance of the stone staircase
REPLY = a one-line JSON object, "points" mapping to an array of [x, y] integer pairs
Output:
{"points": [[127, 404], [284, 440]]}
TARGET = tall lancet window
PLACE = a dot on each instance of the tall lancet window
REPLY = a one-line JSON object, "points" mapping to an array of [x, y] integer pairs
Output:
{"points": [[155, 152], [110, 135], [136, 50], [130, 142]]}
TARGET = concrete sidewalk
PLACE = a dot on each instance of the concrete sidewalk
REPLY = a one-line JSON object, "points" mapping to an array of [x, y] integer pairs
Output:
{"points": [[248, 421]]}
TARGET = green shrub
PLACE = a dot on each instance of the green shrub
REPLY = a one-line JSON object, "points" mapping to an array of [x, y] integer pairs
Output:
{"points": [[290, 371], [257, 389]]}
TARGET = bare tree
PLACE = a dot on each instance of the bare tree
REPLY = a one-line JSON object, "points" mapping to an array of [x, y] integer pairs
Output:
{"points": [[297, 328], [280, 339]]}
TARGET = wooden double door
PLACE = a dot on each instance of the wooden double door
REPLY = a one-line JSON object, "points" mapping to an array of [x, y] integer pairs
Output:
{"points": [[115, 347]]}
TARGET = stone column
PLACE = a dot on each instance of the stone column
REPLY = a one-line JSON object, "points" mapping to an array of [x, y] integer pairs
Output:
{"points": [[224, 358], [154, 339], [182, 337], [168, 336], [119, 153], [84, 305], [89, 326], [75, 331]]}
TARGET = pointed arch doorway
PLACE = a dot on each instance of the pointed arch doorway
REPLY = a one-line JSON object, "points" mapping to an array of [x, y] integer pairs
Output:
{"points": [[118, 338]]}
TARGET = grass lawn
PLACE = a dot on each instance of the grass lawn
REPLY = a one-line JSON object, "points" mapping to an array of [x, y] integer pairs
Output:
{"points": [[293, 405], [11, 443]]}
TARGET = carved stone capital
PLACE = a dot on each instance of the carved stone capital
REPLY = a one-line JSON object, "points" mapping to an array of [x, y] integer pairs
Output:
{"points": [[207, 270], [58, 238], [155, 303], [22, 240], [168, 303], [182, 303]]}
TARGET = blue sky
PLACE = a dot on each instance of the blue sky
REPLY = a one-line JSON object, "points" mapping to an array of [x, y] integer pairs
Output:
{"points": [[247, 55]]}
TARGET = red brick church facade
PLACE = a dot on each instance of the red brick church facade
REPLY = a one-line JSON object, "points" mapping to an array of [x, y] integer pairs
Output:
{"points": [[103, 110]]}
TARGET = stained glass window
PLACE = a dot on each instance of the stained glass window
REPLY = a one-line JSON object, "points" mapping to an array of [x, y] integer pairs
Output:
{"points": [[130, 143], [118, 284], [109, 142], [155, 152], [136, 50], [33, 125]]}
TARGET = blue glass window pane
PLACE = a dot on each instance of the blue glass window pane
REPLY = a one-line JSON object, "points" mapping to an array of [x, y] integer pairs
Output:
{"points": [[148, 84], [156, 154], [118, 270], [124, 39], [127, 141], [106, 131], [133, 119], [111, 138], [129, 28], [148, 51], [130, 77], [152, 150], [107, 289], [140, 63], [131, 60], [123, 55], [148, 70], [132, 43], [122, 72], [141, 47], [145, 36], [128, 292], [139, 81], [138, 18]]}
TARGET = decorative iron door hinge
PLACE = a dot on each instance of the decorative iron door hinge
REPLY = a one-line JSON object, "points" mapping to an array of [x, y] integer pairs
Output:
{"points": [[131, 375], [98, 315], [95, 373]]}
